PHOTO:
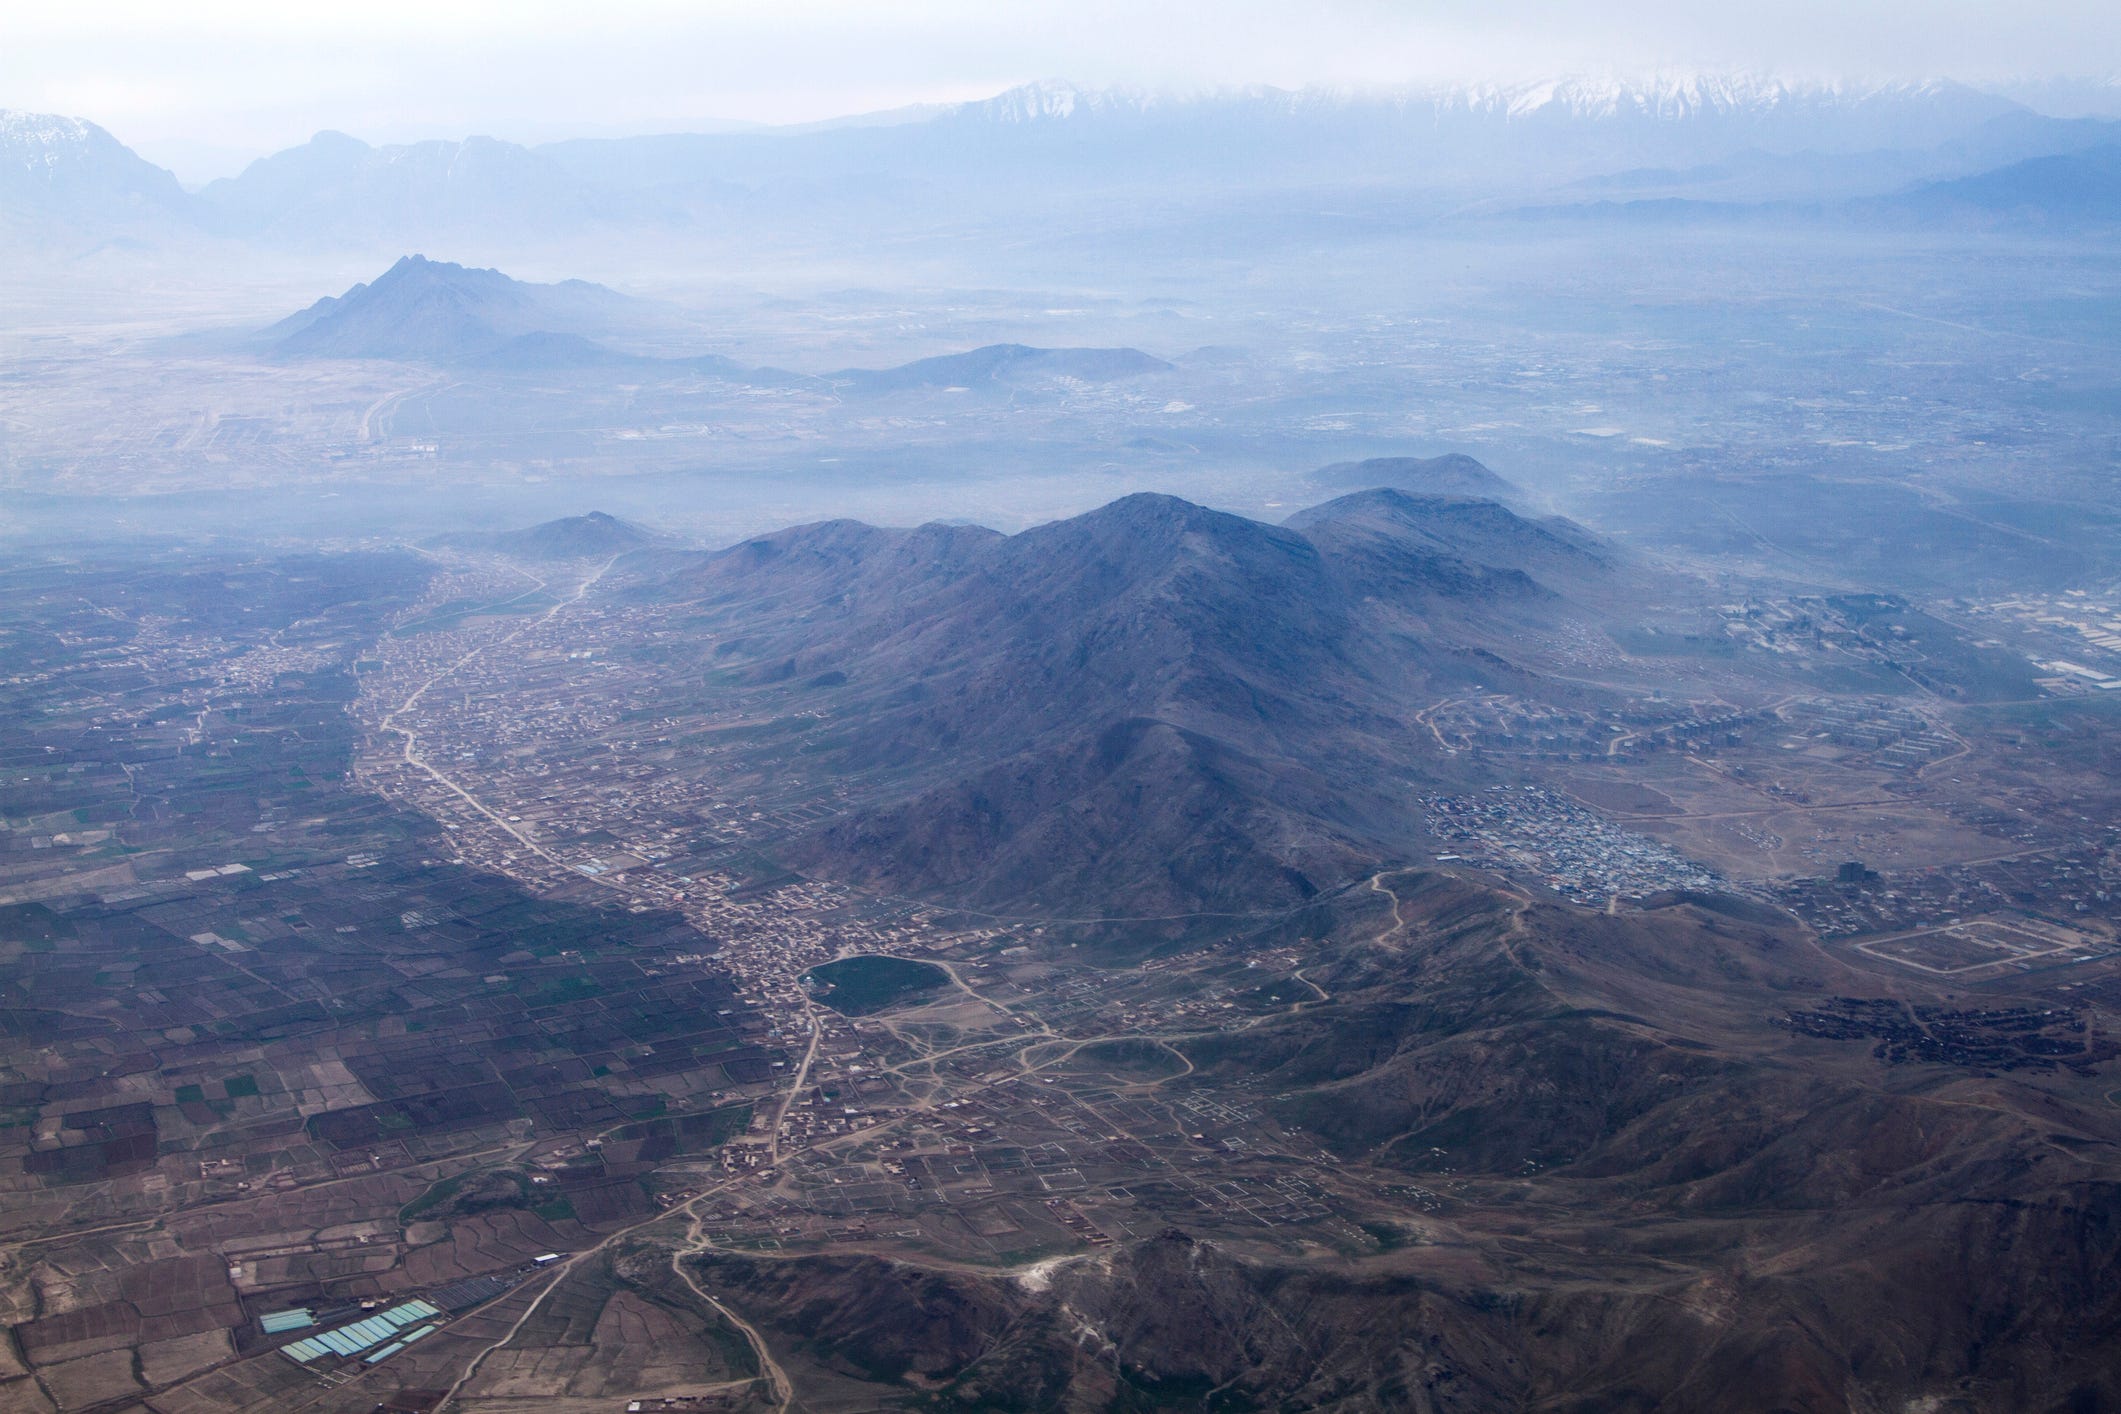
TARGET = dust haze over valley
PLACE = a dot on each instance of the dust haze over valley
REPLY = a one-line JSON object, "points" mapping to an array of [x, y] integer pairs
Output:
{"points": [[1446, 744], [1601, 294]]}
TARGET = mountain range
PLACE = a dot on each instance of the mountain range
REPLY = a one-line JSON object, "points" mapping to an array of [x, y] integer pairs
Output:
{"points": [[1154, 704], [63, 177]]}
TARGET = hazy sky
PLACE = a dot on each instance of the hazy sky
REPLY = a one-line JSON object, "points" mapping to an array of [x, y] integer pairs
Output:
{"points": [[206, 83]]}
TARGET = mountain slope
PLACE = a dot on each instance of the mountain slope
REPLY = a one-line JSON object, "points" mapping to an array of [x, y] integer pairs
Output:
{"points": [[1633, 1193]]}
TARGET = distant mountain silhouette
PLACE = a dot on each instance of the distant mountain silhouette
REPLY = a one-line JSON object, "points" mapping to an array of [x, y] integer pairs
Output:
{"points": [[1051, 139], [2075, 179], [2063, 188], [337, 191], [1002, 365], [1154, 704], [584, 537], [432, 311], [1453, 474], [1387, 538]]}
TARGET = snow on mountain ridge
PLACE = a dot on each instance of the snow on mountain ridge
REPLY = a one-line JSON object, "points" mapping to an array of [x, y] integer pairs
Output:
{"points": [[69, 172], [1047, 99], [44, 141], [1659, 97]]}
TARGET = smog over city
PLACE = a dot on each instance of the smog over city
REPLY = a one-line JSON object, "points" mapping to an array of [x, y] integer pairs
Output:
{"points": [[1081, 707]]}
